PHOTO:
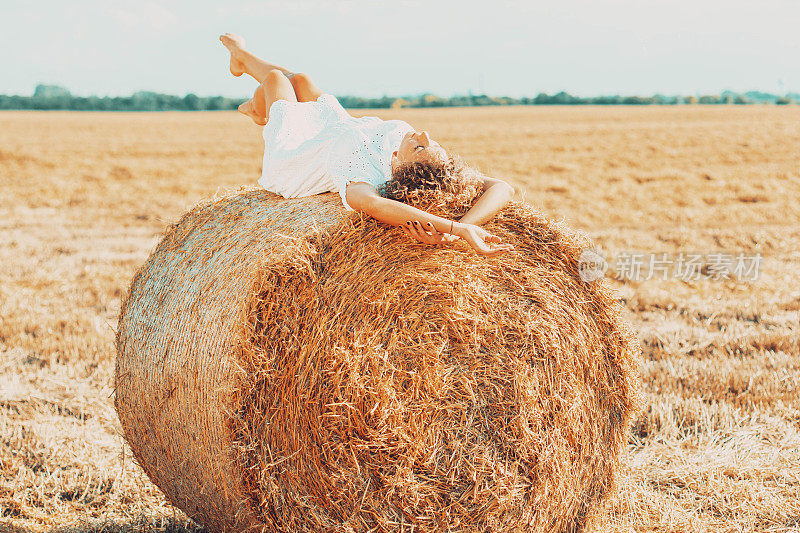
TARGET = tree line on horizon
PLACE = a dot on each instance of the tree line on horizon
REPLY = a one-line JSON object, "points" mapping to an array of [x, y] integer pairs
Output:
{"points": [[53, 97]]}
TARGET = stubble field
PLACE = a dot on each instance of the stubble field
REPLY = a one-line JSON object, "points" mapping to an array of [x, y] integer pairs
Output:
{"points": [[84, 197]]}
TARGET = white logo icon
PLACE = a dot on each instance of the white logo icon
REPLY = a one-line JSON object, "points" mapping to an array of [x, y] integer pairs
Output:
{"points": [[591, 266]]}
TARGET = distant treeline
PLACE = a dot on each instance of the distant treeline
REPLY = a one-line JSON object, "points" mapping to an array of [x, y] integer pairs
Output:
{"points": [[51, 97]]}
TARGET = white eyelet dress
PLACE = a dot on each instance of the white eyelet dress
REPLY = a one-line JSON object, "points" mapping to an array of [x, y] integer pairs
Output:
{"points": [[316, 147]]}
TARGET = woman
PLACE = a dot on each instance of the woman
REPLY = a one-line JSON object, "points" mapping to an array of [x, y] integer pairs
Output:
{"points": [[312, 145]]}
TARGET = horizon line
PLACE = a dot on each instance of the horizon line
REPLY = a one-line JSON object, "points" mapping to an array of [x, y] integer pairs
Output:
{"points": [[469, 93]]}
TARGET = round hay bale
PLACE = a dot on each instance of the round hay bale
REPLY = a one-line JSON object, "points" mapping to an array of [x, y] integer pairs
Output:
{"points": [[285, 365]]}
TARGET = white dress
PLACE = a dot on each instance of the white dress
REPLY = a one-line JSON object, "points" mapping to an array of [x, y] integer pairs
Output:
{"points": [[316, 147]]}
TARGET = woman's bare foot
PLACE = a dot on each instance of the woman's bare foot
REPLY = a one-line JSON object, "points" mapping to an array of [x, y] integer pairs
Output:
{"points": [[248, 109], [234, 44]]}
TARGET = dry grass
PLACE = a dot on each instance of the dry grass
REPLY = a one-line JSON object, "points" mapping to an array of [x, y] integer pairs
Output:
{"points": [[85, 197], [384, 384]]}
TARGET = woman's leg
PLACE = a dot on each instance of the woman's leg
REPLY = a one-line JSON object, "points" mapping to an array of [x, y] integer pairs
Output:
{"points": [[275, 87], [243, 62], [304, 88]]}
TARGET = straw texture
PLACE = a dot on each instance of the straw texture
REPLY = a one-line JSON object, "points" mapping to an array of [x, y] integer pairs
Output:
{"points": [[287, 366]]}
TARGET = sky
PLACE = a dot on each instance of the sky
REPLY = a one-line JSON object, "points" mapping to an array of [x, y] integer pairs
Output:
{"points": [[374, 47]]}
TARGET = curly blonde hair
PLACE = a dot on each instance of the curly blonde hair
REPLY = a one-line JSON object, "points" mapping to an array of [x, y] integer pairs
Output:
{"points": [[410, 180]]}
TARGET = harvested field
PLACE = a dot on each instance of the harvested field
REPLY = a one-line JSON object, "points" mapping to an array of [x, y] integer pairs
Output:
{"points": [[86, 197]]}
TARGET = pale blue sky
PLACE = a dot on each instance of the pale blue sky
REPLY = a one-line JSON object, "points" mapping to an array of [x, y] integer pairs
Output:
{"points": [[501, 47]]}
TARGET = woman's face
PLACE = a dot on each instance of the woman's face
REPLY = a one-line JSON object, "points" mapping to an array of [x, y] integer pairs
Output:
{"points": [[418, 147]]}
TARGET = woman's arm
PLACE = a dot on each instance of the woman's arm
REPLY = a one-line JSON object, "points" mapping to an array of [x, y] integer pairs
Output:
{"points": [[497, 193], [364, 197]]}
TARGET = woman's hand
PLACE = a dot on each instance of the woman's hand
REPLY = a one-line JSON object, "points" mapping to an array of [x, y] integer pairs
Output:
{"points": [[481, 240], [426, 234]]}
